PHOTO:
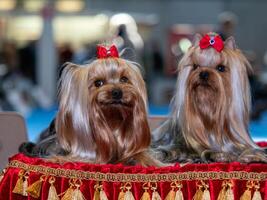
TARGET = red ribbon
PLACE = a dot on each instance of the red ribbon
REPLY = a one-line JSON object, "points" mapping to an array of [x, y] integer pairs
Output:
{"points": [[212, 41], [104, 52]]}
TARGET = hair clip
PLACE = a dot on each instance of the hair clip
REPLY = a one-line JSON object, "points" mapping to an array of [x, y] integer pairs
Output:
{"points": [[105, 52], [212, 41]]}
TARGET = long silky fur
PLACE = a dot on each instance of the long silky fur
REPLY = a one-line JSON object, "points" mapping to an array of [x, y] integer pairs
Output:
{"points": [[193, 131], [82, 128]]}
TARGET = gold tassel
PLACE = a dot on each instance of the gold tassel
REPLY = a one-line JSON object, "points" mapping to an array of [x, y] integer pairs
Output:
{"points": [[145, 195], [122, 193], [34, 189], [69, 192], [171, 194], [179, 194], [257, 194], [19, 185], [199, 193], [226, 192], [229, 194], [52, 193], [206, 193], [222, 194], [155, 194], [128, 194], [103, 195], [97, 192], [22, 184], [77, 194], [247, 194]]}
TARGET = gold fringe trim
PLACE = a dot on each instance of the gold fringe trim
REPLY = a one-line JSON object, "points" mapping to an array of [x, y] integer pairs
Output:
{"points": [[206, 194], [179, 194], [34, 189], [114, 177], [146, 195], [128, 194], [257, 194], [222, 194], [171, 194], [155, 194], [202, 192], [96, 192], [229, 191], [199, 193], [73, 192], [121, 195], [67, 195], [247, 194], [22, 183], [103, 195], [52, 193], [99, 193], [77, 194], [226, 192], [230, 195]]}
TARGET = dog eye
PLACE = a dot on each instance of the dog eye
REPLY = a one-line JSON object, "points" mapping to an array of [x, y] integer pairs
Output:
{"points": [[124, 79], [195, 66], [220, 68], [99, 83]]}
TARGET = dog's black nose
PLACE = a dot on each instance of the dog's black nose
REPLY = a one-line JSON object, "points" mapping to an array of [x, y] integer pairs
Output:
{"points": [[116, 94], [204, 75]]}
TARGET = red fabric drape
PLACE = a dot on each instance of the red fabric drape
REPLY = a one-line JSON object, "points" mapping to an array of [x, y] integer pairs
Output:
{"points": [[112, 189]]}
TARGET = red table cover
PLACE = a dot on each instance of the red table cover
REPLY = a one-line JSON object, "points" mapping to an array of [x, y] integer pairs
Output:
{"points": [[93, 181]]}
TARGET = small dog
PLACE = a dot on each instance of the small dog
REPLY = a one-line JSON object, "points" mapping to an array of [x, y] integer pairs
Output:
{"points": [[102, 115], [210, 110]]}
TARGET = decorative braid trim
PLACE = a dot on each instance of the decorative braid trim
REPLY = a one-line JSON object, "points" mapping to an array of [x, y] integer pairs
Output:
{"points": [[127, 177]]}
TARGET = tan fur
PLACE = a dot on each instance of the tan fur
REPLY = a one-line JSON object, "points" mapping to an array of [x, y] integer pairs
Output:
{"points": [[93, 129], [212, 115]]}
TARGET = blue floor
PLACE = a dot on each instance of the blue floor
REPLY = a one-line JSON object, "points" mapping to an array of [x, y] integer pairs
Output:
{"points": [[40, 119]]}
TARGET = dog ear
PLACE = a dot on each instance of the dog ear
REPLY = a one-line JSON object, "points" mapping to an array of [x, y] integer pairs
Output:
{"points": [[197, 39], [62, 67], [69, 65], [230, 43]]}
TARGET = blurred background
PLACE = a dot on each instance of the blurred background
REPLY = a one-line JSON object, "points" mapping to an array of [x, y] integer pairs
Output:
{"points": [[38, 36]]}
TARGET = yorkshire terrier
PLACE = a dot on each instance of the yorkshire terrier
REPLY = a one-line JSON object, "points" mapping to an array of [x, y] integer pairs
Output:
{"points": [[210, 110], [102, 115]]}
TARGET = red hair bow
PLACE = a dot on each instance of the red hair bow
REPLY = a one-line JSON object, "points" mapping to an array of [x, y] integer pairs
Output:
{"points": [[104, 52], [212, 41]]}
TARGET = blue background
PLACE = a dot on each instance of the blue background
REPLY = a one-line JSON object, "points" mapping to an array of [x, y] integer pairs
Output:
{"points": [[40, 119]]}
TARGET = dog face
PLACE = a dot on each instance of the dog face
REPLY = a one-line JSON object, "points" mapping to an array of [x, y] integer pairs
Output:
{"points": [[209, 91], [212, 103], [102, 114], [116, 90]]}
